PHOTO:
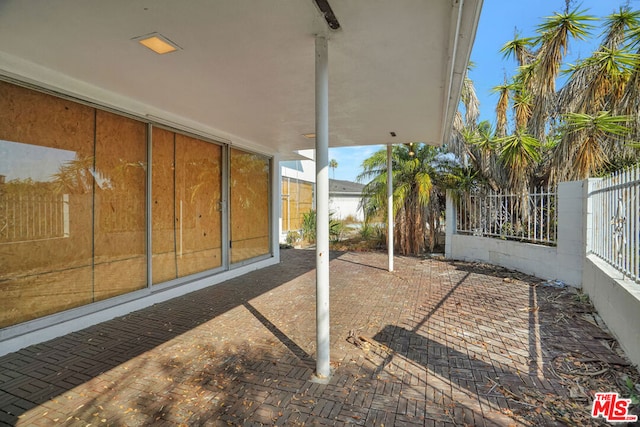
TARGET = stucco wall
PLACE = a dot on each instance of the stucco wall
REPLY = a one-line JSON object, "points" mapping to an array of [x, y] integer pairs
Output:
{"points": [[617, 301], [562, 262], [343, 206], [527, 258]]}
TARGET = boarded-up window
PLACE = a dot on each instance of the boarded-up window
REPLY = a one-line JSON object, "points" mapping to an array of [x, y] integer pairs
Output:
{"points": [[297, 200], [249, 187], [186, 194], [72, 204], [120, 203]]}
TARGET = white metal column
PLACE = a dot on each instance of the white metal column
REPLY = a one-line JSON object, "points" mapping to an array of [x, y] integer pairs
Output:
{"points": [[390, 206], [323, 369]]}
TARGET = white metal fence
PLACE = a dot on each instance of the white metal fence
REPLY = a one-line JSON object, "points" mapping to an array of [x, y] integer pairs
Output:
{"points": [[25, 217], [616, 213], [524, 217]]}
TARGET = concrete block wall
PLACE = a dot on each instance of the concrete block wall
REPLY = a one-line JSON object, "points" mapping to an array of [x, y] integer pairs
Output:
{"points": [[571, 244], [527, 258], [617, 300], [563, 262]]}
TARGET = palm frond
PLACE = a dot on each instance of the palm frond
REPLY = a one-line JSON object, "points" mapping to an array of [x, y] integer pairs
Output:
{"points": [[601, 123], [519, 48], [502, 108], [617, 25], [518, 153], [470, 102], [554, 39]]}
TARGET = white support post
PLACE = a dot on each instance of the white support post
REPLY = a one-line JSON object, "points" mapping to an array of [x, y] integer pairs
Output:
{"points": [[323, 370], [390, 206]]}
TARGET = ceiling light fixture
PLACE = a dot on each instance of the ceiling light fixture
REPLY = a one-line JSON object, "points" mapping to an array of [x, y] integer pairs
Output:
{"points": [[411, 151], [157, 43]]}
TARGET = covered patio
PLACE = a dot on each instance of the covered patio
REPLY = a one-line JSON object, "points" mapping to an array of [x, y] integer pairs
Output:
{"points": [[234, 83], [435, 343]]}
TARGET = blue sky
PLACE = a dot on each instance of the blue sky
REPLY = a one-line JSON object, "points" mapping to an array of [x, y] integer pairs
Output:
{"points": [[498, 21]]}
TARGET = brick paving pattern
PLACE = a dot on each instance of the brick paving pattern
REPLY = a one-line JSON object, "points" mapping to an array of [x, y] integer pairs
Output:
{"points": [[435, 343]]}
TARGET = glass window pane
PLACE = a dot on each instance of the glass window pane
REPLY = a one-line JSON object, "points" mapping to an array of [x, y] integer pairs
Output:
{"points": [[163, 206], [198, 184], [301, 202], [249, 205], [119, 224], [46, 208]]}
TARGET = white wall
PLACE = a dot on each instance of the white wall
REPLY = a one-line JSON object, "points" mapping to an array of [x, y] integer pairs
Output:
{"points": [[563, 262], [343, 206], [571, 248], [528, 258], [304, 170], [617, 301]]}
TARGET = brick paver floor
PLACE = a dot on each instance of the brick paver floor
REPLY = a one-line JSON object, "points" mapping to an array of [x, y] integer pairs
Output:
{"points": [[434, 343]]}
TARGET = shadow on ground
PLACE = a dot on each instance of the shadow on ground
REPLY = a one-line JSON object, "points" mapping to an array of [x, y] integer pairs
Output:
{"points": [[434, 344]]}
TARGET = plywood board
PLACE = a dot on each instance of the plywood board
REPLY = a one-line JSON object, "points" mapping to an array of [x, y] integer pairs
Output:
{"points": [[46, 147], [249, 204], [163, 206], [35, 118], [120, 203], [32, 296], [197, 205]]}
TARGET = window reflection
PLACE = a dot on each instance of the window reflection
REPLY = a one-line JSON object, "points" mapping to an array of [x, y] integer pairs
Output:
{"points": [[249, 205], [34, 205], [186, 215], [72, 204]]}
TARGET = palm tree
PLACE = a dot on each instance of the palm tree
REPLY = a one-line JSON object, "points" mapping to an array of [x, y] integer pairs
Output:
{"points": [[555, 33], [518, 153], [592, 134], [600, 97], [585, 128], [333, 164], [412, 193], [519, 48], [75, 176], [502, 108], [471, 106]]}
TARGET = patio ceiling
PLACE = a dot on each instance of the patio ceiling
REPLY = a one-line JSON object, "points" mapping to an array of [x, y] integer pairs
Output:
{"points": [[245, 70]]}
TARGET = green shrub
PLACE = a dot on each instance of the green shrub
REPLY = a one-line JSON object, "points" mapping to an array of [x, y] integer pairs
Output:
{"points": [[336, 228], [293, 237], [309, 226]]}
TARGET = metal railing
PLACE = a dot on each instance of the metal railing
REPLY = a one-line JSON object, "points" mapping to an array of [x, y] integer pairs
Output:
{"points": [[26, 217], [523, 217], [615, 234]]}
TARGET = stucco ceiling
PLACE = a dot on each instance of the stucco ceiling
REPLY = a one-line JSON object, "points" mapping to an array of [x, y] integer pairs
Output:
{"points": [[245, 71]]}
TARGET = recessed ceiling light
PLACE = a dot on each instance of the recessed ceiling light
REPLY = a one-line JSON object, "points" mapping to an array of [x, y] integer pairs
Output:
{"points": [[309, 135], [157, 43]]}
